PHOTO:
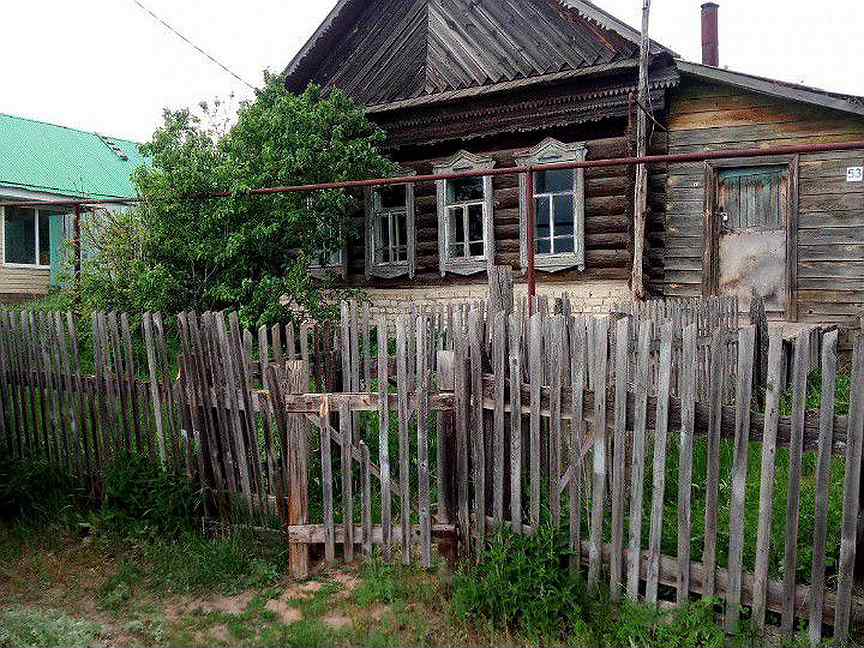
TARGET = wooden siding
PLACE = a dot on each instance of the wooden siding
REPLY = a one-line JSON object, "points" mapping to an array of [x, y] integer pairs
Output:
{"points": [[830, 236], [608, 212]]}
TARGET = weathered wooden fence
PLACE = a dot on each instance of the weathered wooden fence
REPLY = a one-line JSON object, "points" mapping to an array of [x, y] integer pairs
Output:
{"points": [[624, 435]]}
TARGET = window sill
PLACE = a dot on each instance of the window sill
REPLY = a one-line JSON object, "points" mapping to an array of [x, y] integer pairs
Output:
{"points": [[389, 270], [467, 266], [324, 272], [26, 266], [558, 262]]}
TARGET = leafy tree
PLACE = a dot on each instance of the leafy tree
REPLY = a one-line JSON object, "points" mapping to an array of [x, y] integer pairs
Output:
{"points": [[249, 252]]}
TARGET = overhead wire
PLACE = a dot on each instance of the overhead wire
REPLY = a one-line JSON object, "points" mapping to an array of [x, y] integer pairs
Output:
{"points": [[193, 45]]}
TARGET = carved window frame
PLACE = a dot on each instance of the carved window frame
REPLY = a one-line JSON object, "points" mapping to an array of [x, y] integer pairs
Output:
{"points": [[393, 269], [551, 151], [461, 162]]}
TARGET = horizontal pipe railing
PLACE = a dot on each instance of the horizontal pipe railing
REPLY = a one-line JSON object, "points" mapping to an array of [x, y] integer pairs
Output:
{"points": [[703, 156]]}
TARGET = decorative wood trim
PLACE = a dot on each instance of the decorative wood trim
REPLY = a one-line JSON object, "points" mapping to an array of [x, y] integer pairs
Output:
{"points": [[465, 161], [548, 151], [711, 260], [391, 270]]}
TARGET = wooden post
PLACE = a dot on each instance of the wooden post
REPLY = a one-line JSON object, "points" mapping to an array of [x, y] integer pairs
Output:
{"points": [[298, 475], [640, 201]]}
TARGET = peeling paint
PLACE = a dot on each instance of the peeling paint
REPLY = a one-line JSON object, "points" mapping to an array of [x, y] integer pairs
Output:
{"points": [[753, 262]]}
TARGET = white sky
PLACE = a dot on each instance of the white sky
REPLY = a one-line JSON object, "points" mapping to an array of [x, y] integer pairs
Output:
{"points": [[107, 66]]}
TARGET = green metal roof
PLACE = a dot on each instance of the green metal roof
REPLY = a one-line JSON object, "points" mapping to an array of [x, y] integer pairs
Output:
{"points": [[54, 159]]}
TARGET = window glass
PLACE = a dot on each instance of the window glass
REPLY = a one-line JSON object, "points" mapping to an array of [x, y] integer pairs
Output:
{"points": [[464, 190], [44, 238], [392, 197], [475, 230], [20, 233], [457, 227], [563, 244], [542, 218], [563, 206], [554, 181]]}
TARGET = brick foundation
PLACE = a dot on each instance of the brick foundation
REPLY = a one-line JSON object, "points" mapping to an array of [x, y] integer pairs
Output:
{"points": [[586, 297]]}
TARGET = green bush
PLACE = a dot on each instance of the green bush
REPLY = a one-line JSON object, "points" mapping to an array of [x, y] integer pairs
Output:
{"points": [[524, 585], [521, 584], [140, 498], [34, 490]]}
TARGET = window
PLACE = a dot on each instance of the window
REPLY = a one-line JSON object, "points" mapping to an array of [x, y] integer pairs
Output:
{"points": [[465, 230], [390, 243], [559, 199], [27, 236]]}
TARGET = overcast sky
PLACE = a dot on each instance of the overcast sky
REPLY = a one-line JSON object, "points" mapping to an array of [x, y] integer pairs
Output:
{"points": [[106, 66]]}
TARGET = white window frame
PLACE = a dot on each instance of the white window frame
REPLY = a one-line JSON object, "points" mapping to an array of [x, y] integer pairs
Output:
{"points": [[465, 161], [27, 266], [550, 151], [390, 269]]}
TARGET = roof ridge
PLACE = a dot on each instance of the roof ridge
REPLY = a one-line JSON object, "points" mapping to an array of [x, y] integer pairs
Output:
{"points": [[71, 128]]}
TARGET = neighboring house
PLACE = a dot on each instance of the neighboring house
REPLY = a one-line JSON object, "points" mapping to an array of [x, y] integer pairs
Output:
{"points": [[45, 162], [477, 84]]}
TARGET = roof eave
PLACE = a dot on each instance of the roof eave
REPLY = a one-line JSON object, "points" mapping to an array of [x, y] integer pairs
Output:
{"points": [[770, 87]]}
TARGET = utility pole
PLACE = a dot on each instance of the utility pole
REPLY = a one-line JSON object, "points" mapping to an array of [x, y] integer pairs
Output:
{"points": [[640, 201]]}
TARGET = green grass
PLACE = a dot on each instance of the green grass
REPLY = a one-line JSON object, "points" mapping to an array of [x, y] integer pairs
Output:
{"points": [[44, 628]]}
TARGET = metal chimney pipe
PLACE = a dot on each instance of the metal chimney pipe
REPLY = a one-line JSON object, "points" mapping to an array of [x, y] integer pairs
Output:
{"points": [[710, 35]]}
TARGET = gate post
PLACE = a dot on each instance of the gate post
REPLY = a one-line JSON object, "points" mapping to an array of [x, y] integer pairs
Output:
{"points": [[298, 474]]}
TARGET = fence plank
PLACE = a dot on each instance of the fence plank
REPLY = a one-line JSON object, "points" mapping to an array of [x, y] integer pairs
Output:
{"points": [[577, 431], [383, 432], [535, 360], [851, 491], [793, 499], [664, 380], [712, 459], [743, 396], [766, 487], [150, 346], [327, 487], [823, 474], [619, 454], [556, 369], [475, 340], [515, 445], [422, 399], [685, 460], [366, 499], [499, 344], [131, 381], [403, 396], [637, 467], [598, 489], [462, 386]]}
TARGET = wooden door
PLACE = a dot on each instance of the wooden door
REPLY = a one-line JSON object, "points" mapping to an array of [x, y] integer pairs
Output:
{"points": [[753, 209]]}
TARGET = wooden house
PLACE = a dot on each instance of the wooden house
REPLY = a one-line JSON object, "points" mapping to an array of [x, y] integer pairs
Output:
{"points": [[481, 84], [45, 162]]}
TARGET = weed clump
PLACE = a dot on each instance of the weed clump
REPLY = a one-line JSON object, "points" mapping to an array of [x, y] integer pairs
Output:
{"points": [[524, 585]]}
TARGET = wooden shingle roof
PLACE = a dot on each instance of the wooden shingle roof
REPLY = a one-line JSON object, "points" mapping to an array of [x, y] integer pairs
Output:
{"points": [[383, 51]]}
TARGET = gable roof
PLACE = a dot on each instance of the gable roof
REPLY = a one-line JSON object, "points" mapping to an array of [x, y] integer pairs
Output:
{"points": [[44, 157], [774, 88], [383, 51]]}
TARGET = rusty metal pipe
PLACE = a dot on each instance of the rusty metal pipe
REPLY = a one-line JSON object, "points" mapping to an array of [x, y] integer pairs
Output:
{"points": [[383, 182]]}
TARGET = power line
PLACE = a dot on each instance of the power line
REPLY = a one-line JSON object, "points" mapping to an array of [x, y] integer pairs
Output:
{"points": [[190, 43]]}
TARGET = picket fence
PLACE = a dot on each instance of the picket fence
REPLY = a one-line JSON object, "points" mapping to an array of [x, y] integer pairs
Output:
{"points": [[397, 433]]}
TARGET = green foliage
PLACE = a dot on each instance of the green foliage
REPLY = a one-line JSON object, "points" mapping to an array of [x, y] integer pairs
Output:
{"points": [[23, 628], [140, 498], [243, 252], [35, 490], [522, 583]]}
